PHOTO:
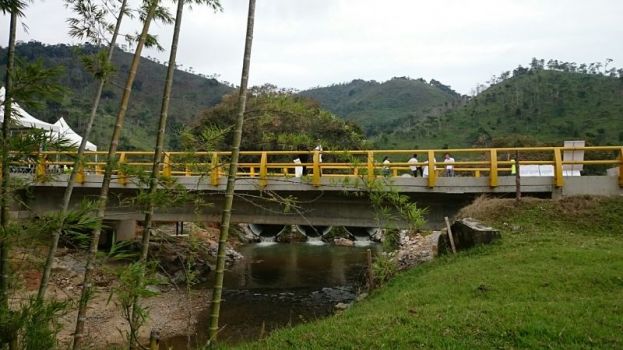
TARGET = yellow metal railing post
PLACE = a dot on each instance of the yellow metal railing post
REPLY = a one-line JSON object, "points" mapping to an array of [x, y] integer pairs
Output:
{"points": [[263, 170], [621, 169], [252, 171], [41, 166], [432, 172], [215, 169], [80, 177], [370, 166], [121, 176], [166, 164], [316, 167], [477, 173], [559, 181], [493, 168]]}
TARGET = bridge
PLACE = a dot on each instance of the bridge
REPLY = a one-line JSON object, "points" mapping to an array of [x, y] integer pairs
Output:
{"points": [[334, 190]]}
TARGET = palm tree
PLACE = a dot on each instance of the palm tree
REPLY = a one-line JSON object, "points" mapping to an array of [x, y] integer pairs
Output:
{"points": [[151, 7], [45, 277], [231, 177], [158, 150], [164, 110]]}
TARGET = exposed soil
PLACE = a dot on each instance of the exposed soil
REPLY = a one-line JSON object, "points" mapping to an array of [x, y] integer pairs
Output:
{"points": [[173, 311]]}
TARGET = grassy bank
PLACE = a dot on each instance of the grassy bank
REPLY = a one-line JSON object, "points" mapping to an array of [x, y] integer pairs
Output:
{"points": [[555, 280]]}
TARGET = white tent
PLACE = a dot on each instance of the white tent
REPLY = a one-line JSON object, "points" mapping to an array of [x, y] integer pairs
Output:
{"points": [[24, 119], [73, 138]]}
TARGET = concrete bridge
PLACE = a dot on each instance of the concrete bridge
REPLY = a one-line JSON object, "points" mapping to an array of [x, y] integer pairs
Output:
{"points": [[335, 193]]}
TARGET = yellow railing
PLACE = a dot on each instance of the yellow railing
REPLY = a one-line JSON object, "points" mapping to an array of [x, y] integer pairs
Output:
{"points": [[491, 162]]}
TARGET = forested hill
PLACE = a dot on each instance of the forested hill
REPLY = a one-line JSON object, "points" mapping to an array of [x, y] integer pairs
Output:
{"points": [[531, 106], [191, 94], [382, 107]]}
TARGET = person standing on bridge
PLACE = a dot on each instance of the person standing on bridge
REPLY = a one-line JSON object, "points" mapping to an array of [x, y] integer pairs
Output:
{"points": [[449, 166], [319, 149], [415, 169], [386, 169]]}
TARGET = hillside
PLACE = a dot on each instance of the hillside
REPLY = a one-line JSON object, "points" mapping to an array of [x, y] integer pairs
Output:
{"points": [[191, 94], [275, 120], [382, 107], [535, 105]]}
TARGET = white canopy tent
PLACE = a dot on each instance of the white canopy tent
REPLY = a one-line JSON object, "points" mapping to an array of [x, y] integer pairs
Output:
{"points": [[73, 138], [24, 119]]}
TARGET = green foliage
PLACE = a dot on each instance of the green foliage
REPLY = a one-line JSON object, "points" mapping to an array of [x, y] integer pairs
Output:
{"points": [[384, 107], [34, 325], [34, 82], [132, 286], [384, 268], [191, 94], [278, 120], [97, 64], [391, 240], [534, 106]]}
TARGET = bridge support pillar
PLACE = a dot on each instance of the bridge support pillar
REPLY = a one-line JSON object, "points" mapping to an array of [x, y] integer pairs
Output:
{"points": [[125, 229]]}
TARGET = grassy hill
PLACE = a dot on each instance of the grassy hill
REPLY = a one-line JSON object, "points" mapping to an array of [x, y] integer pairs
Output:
{"points": [[534, 105], [191, 94], [553, 281], [382, 107]]}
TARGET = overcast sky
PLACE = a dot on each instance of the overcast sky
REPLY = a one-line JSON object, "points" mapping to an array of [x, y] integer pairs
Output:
{"points": [[306, 43]]}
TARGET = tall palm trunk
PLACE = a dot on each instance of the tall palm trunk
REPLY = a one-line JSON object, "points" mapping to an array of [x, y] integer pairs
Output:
{"points": [[231, 177], [162, 124], [4, 187], [110, 163], [158, 150], [45, 277]]}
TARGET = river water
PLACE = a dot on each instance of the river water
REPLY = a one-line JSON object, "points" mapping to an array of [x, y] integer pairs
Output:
{"points": [[278, 285]]}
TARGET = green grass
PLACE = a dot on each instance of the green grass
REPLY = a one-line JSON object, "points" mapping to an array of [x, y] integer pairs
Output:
{"points": [[555, 280]]}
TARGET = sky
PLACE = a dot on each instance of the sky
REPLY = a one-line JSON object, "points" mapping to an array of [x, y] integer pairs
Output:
{"points": [[307, 43]]}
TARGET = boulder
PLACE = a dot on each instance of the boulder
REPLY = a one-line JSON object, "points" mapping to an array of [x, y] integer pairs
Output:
{"points": [[467, 233], [343, 242]]}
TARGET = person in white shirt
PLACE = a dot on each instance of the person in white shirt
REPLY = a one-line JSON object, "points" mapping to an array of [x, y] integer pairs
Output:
{"points": [[319, 149], [415, 169], [298, 170], [449, 167], [386, 170]]}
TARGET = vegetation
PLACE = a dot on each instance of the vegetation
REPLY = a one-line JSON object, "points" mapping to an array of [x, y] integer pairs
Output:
{"points": [[544, 103], [382, 107], [215, 306], [191, 94], [151, 7], [553, 280], [276, 120]]}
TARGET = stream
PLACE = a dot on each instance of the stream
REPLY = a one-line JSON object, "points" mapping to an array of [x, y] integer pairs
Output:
{"points": [[277, 285]]}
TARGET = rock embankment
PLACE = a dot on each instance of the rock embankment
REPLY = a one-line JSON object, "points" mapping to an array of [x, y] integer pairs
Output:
{"points": [[415, 248]]}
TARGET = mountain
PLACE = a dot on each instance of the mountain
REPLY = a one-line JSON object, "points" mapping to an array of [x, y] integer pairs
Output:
{"points": [[191, 94], [382, 107], [533, 106]]}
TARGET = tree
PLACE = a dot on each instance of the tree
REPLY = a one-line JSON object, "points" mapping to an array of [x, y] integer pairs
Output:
{"points": [[158, 151], [150, 11], [101, 74], [14, 8], [231, 178]]}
